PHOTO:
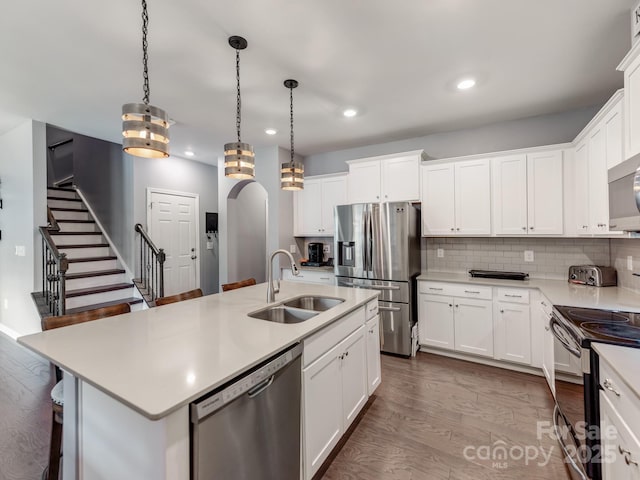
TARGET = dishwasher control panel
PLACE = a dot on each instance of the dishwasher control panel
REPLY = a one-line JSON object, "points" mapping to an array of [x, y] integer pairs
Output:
{"points": [[261, 375]]}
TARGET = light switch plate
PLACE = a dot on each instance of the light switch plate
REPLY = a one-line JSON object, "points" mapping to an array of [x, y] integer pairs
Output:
{"points": [[20, 250], [440, 253], [528, 255], [293, 248], [326, 249]]}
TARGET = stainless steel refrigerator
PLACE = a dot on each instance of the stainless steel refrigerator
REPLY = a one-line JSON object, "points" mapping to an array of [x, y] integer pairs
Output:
{"points": [[377, 246]]}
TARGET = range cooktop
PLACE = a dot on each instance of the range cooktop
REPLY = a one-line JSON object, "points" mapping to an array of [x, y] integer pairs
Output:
{"points": [[606, 326]]}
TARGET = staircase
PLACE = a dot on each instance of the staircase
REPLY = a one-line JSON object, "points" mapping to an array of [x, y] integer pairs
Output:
{"points": [[95, 277]]}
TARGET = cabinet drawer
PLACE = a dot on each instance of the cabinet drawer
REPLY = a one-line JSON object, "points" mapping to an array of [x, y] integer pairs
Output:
{"points": [[436, 288], [371, 309], [309, 276], [620, 395], [513, 295], [330, 336], [472, 291]]}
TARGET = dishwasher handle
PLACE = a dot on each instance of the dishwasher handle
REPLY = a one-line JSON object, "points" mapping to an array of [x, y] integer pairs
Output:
{"points": [[261, 387]]}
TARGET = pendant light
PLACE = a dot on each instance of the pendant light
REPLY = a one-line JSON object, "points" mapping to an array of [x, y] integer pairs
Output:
{"points": [[291, 173], [239, 159], [145, 128]]}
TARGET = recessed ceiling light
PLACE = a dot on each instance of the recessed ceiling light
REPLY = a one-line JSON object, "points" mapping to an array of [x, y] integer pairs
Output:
{"points": [[270, 131], [189, 153], [466, 84], [350, 112]]}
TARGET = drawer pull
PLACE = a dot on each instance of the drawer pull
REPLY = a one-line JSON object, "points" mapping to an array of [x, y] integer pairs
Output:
{"points": [[512, 296], [472, 291], [436, 289], [608, 384], [325, 278], [543, 304], [628, 461]]}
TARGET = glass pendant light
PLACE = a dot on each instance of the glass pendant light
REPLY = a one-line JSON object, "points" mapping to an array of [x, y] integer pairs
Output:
{"points": [[291, 173], [239, 159], [145, 128]]}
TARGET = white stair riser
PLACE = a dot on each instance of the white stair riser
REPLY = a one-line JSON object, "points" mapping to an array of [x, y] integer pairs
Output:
{"points": [[62, 215], [77, 239], [96, 266], [95, 281], [85, 252], [77, 227], [92, 299], [60, 193], [139, 306], [65, 204]]}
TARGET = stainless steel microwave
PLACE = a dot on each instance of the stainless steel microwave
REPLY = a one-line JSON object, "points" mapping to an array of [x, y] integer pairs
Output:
{"points": [[624, 196]]}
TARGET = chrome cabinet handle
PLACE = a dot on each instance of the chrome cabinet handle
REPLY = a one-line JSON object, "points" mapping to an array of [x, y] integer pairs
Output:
{"points": [[501, 311], [627, 456], [436, 289], [608, 384], [530, 228], [453, 229], [513, 296], [451, 305], [458, 229], [543, 304], [471, 291], [524, 228], [193, 257]]}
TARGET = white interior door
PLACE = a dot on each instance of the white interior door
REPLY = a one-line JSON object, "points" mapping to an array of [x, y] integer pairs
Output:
{"points": [[173, 226]]}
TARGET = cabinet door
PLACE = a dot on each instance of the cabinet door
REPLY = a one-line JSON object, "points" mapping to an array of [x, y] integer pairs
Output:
{"points": [[334, 192], [581, 188], [401, 179], [547, 350], [438, 200], [510, 195], [374, 375], [473, 321], [598, 181], [632, 108], [473, 197], [354, 375], [512, 332], [620, 447], [363, 182], [545, 193], [435, 321], [613, 136], [309, 209], [322, 407]]}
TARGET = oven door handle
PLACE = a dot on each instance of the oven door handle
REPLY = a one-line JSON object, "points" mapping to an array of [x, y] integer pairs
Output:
{"points": [[555, 326], [563, 446]]}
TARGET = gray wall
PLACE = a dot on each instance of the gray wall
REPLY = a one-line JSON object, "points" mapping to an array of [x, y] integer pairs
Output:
{"points": [[186, 176], [522, 133], [23, 192]]}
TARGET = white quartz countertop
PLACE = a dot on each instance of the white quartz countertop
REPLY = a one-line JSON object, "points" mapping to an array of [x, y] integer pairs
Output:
{"points": [[157, 360], [559, 292], [624, 361]]}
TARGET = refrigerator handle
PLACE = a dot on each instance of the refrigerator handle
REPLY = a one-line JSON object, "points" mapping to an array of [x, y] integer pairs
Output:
{"points": [[365, 241], [370, 244]]}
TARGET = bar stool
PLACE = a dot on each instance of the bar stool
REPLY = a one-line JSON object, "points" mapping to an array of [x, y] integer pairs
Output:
{"points": [[52, 471], [242, 283], [178, 297]]}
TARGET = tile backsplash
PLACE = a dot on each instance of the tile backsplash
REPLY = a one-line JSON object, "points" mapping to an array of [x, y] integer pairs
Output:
{"points": [[551, 256], [621, 248]]}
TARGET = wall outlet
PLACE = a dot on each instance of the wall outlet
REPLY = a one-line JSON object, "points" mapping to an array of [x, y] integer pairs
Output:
{"points": [[326, 249], [293, 248], [20, 250], [440, 253], [629, 262], [528, 255]]}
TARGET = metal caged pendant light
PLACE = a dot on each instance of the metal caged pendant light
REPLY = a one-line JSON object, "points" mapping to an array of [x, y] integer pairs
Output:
{"points": [[239, 159], [145, 128], [291, 173]]}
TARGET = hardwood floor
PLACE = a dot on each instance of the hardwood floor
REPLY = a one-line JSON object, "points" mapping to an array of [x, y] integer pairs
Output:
{"points": [[25, 412], [430, 410]]}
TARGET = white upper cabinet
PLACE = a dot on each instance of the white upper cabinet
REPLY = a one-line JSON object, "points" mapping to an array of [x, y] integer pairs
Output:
{"points": [[598, 148], [313, 206], [456, 198], [631, 67], [389, 178], [528, 194]]}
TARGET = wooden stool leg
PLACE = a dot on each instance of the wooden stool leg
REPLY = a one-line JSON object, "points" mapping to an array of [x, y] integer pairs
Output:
{"points": [[56, 444]]}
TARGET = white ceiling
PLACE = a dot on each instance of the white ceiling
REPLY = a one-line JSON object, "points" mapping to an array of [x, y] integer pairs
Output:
{"points": [[74, 64]]}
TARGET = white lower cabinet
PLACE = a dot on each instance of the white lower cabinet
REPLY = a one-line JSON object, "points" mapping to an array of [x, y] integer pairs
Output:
{"points": [[512, 326], [620, 447], [473, 320], [435, 321], [336, 383], [374, 373]]}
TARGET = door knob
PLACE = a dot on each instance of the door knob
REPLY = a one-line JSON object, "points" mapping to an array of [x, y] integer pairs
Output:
{"points": [[193, 257]]}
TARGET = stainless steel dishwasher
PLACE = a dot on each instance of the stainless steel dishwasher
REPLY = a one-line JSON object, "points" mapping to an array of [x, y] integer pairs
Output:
{"points": [[250, 429]]}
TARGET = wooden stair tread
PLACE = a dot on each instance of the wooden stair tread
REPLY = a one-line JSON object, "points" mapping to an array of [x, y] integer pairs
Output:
{"points": [[61, 209], [130, 301], [97, 273], [91, 290], [64, 198], [83, 245], [91, 259], [74, 233], [74, 221]]}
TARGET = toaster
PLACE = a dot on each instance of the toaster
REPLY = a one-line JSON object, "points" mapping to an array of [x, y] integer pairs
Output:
{"points": [[593, 275]]}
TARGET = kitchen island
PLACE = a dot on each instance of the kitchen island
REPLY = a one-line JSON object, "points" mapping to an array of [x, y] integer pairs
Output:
{"points": [[129, 379]]}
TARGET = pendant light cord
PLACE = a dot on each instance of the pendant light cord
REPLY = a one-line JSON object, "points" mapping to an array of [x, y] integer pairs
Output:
{"points": [[145, 56], [238, 101], [291, 112]]}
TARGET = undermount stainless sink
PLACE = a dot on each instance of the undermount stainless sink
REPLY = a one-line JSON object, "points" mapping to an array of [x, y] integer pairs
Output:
{"points": [[315, 303], [283, 314]]}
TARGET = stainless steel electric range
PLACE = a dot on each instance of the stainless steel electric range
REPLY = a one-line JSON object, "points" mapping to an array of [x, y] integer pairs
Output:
{"points": [[574, 330]]}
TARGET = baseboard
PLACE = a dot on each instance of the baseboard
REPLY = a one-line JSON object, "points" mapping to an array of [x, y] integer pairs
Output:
{"points": [[9, 332]]}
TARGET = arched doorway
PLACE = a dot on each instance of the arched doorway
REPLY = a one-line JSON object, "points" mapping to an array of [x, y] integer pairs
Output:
{"points": [[247, 232]]}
